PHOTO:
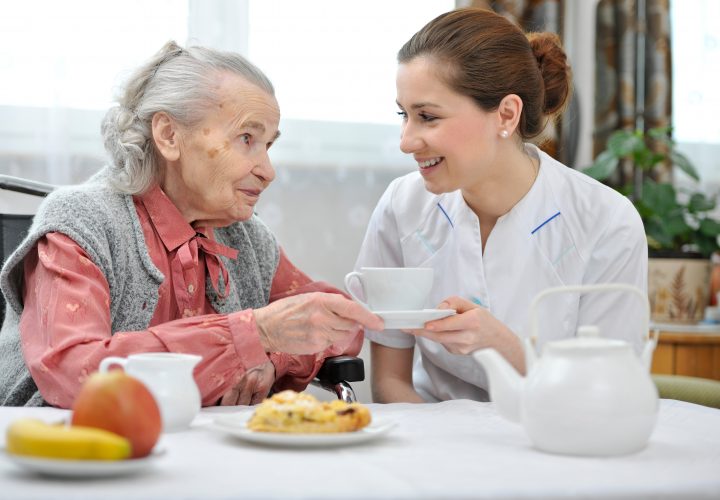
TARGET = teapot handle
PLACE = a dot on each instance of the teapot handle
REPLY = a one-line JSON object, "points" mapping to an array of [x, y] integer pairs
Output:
{"points": [[601, 287]]}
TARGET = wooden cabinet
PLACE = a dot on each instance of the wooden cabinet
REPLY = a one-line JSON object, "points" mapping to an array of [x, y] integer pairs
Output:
{"points": [[691, 351]]}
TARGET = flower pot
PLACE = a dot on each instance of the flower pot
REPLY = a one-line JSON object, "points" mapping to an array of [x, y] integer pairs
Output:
{"points": [[678, 289]]}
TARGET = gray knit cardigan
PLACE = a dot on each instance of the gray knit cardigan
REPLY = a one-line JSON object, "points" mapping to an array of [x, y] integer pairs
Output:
{"points": [[105, 224]]}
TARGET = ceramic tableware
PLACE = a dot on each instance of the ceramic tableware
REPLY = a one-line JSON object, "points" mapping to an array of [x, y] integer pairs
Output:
{"points": [[392, 288], [169, 376], [586, 395]]}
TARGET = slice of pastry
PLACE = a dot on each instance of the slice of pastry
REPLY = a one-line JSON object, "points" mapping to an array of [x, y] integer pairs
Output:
{"points": [[292, 412]]}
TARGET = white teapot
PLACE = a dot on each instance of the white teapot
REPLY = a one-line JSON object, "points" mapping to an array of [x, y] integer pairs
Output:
{"points": [[586, 395]]}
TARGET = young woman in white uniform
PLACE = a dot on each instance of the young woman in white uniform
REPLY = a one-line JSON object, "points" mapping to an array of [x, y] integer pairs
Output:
{"points": [[496, 218]]}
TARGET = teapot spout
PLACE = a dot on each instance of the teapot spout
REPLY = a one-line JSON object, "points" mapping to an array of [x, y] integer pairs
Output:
{"points": [[505, 383]]}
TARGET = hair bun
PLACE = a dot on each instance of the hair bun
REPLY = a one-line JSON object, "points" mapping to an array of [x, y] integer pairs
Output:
{"points": [[554, 68]]}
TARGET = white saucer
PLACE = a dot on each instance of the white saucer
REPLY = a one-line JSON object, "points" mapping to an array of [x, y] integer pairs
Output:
{"points": [[412, 319], [84, 468]]}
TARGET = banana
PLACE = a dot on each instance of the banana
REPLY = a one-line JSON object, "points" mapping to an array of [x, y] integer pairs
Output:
{"points": [[39, 439]]}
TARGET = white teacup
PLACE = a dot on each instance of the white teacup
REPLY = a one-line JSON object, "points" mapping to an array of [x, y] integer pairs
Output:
{"points": [[169, 377], [392, 288]]}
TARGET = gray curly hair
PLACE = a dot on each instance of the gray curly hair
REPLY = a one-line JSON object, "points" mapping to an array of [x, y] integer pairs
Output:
{"points": [[180, 82]]}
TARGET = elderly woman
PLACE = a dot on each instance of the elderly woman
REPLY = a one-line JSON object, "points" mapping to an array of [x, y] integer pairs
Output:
{"points": [[161, 251]]}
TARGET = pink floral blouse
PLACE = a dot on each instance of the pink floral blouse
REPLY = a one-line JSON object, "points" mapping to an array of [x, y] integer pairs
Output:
{"points": [[65, 326]]}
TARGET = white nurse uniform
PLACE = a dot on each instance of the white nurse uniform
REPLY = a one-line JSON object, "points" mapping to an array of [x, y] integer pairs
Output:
{"points": [[567, 230]]}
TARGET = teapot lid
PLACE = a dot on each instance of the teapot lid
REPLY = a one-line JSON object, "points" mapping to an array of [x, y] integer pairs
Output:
{"points": [[588, 337]]}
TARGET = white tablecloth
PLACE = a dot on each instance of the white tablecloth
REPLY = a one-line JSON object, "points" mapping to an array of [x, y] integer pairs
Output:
{"points": [[456, 449]]}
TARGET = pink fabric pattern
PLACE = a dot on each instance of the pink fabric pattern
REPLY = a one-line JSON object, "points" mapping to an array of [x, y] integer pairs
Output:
{"points": [[65, 327]]}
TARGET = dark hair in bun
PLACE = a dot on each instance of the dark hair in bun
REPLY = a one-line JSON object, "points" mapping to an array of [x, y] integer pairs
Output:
{"points": [[483, 55]]}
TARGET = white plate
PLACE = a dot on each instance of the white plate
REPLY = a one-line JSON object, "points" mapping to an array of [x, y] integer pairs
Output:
{"points": [[83, 468], [412, 319], [237, 426]]}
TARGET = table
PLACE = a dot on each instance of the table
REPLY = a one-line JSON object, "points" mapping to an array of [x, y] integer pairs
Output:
{"points": [[691, 350], [454, 449]]}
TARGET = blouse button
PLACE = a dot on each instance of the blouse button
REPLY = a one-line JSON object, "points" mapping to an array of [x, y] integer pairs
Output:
{"points": [[191, 288]]}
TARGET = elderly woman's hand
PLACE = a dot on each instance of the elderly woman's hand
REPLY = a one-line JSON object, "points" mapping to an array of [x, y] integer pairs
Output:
{"points": [[311, 322], [252, 387]]}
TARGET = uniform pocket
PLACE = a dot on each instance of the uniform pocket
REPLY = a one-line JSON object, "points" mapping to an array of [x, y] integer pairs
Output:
{"points": [[423, 245]]}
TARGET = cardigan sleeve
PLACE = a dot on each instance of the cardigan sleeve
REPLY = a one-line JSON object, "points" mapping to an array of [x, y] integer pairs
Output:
{"points": [[65, 328]]}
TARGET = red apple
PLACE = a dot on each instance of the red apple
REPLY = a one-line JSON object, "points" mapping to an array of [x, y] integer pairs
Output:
{"points": [[119, 403]]}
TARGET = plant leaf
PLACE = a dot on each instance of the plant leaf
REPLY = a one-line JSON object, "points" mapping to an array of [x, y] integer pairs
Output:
{"points": [[624, 143], [700, 203], [603, 166], [683, 163], [661, 134], [710, 227], [646, 159], [658, 238], [707, 245], [659, 199], [657, 158], [675, 225]]}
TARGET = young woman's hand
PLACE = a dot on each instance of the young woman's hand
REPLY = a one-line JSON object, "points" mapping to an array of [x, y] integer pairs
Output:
{"points": [[472, 328]]}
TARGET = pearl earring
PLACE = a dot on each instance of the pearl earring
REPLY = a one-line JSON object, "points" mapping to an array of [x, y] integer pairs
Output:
{"points": [[504, 134]]}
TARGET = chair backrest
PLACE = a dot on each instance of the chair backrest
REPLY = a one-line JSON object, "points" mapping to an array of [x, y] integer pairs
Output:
{"points": [[701, 391], [14, 227]]}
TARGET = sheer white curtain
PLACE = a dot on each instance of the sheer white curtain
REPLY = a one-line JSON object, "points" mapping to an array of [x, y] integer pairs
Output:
{"points": [[59, 63], [332, 63]]}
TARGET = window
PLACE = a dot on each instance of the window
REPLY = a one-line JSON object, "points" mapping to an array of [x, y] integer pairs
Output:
{"points": [[333, 66], [332, 63], [70, 54], [59, 63], [335, 62], [696, 73]]}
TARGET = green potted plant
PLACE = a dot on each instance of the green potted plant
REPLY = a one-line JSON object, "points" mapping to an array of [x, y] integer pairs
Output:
{"points": [[681, 231]]}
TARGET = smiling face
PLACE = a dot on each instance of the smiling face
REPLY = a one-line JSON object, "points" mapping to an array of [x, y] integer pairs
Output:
{"points": [[222, 165], [453, 140]]}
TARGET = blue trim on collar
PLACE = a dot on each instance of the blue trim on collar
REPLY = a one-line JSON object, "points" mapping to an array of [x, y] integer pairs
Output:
{"points": [[446, 215], [546, 221]]}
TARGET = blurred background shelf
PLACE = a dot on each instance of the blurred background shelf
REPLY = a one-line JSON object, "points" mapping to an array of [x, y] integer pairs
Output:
{"points": [[689, 350]]}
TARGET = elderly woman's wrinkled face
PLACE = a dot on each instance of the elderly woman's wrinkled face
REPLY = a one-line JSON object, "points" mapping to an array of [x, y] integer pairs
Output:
{"points": [[224, 165]]}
